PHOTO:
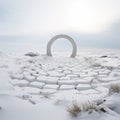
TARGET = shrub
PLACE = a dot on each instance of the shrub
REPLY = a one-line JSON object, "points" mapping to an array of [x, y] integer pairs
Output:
{"points": [[74, 109], [114, 88], [89, 106]]}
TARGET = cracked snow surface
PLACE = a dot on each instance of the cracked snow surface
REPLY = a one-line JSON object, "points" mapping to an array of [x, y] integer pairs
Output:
{"points": [[40, 79], [50, 76]]}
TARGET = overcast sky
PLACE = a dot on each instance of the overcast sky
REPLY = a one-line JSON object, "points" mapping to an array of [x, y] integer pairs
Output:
{"points": [[41, 17]]}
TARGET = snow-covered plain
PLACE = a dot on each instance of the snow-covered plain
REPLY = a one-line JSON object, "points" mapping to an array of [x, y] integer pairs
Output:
{"points": [[41, 87]]}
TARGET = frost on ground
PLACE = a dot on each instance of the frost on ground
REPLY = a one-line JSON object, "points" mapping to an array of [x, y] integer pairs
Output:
{"points": [[35, 86]]}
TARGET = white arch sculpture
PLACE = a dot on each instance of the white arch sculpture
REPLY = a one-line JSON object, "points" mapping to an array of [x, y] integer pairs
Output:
{"points": [[74, 51]]}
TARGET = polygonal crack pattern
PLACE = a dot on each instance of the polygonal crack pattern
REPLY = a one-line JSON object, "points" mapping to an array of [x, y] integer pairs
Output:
{"points": [[50, 76]]}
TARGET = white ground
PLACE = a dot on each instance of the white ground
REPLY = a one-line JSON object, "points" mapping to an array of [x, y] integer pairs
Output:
{"points": [[41, 87]]}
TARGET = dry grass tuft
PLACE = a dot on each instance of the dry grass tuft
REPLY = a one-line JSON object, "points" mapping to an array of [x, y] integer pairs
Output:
{"points": [[89, 106], [114, 88], [74, 109]]}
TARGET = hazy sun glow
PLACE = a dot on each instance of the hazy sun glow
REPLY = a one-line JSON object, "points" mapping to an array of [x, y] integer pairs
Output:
{"points": [[84, 18], [81, 17]]}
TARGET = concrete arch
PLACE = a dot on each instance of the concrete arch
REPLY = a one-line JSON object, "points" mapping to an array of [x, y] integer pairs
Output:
{"points": [[74, 51]]}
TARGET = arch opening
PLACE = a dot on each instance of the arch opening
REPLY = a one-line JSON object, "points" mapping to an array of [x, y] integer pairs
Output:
{"points": [[61, 47]]}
